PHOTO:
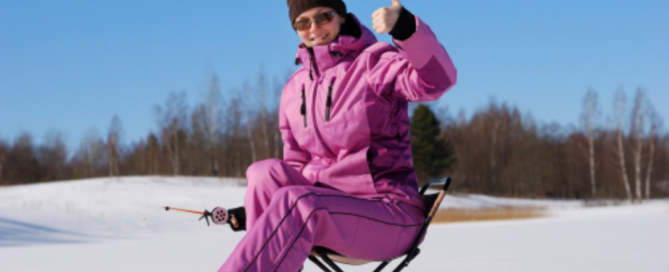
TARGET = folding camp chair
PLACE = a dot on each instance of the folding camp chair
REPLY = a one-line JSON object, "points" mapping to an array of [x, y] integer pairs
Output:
{"points": [[431, 202]]}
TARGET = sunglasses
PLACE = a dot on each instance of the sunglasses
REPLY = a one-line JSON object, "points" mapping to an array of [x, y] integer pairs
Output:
{"points": [[321, 19]]}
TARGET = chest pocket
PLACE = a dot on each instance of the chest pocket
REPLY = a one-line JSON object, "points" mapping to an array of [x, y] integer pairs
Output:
{"points": [[348, 130]]}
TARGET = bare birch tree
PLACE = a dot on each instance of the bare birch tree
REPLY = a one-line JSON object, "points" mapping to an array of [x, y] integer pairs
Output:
{"points": [[494, 134], [52, 157], [211, 123], [152, 155], [113, 145], [91, 157], [636, 132], [277, 89], [171, 120], [234, 125], [249, 120], [655, 124], [588, 124], [620, 111], [263, 112]]}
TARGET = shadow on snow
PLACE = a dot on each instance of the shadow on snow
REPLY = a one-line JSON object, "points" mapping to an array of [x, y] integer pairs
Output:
{"points": [[17, 233]]}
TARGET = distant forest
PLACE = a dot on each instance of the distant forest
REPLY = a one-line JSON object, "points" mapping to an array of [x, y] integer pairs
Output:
{"points": [[496, 150]]}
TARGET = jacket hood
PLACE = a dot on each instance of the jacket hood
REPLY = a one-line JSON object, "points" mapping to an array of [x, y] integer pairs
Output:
{"points": [[326, 56]]}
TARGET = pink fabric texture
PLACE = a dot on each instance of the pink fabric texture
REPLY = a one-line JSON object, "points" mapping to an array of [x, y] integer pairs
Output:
{"points": [[347, 180], [287, 216], [363, 148]]}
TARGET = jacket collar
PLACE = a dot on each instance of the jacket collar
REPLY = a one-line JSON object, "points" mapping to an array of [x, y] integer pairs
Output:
{"points": [[326, 56]]}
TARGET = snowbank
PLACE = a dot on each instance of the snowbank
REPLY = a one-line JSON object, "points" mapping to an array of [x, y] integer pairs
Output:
{"points": [[99, 224]]}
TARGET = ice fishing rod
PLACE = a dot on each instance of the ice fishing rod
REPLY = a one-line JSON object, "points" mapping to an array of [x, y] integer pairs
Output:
{"points": [[218, 215]]}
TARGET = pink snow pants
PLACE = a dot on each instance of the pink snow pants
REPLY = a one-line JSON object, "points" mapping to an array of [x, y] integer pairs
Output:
{"points": [[287, 215]]}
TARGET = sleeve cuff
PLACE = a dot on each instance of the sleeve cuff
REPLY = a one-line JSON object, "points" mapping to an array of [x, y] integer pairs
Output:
{"points": [[405, 26]]}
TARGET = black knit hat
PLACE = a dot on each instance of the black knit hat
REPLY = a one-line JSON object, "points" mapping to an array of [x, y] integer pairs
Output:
{"points": [[296, 7]]}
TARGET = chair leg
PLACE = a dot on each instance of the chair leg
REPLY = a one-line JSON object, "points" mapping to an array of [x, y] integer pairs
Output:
{"points": [[319, 263], [401, 266], [329, 261], [412, 254], [381, 266]]}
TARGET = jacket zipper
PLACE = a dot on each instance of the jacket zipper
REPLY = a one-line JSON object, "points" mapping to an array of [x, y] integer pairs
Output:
{"points": [[303, 108], [313, 112], [313, 103], [313, 64], [328, 103]]}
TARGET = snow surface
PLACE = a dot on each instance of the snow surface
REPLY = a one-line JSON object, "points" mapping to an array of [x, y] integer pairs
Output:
{"points": [[99, 225]]}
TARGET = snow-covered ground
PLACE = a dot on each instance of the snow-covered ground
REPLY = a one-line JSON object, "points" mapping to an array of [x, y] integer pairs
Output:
{"points": [[99, 225]]}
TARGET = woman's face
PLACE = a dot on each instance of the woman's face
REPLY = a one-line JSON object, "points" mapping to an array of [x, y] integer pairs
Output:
{"points": [[319, 34]]}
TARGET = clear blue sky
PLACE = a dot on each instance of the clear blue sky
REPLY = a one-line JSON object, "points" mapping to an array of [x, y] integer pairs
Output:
{"points": [[71, 65]]}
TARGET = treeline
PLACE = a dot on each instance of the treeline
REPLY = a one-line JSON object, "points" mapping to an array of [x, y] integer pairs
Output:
{"points": [[496, 151], [500, 151], [219, 136]]}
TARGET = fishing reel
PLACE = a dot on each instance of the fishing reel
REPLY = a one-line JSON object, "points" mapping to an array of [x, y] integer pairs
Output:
{"points": [[218, 215]]}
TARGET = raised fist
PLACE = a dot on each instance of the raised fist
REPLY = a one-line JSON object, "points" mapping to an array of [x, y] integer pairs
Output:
{"points": [[384, 19]]}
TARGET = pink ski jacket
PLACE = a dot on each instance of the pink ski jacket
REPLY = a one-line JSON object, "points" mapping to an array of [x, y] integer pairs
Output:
{"points": [[343, 115]]}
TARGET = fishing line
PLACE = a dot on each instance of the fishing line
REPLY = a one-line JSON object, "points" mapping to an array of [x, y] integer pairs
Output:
{"points": [[147, 217]]}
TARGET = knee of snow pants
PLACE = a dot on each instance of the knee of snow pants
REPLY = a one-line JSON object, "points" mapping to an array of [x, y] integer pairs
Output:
{"points": [[301, 217], [264, 178]]}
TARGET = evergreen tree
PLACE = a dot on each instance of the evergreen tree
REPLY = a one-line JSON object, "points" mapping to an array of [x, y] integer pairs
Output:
{"points": [[432, 155]]}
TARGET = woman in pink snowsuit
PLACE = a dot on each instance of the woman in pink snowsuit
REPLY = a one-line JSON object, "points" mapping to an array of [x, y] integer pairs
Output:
{"points": [[347, 181]]}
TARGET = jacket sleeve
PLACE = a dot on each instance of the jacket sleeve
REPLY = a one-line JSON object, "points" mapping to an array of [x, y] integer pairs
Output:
{"points": [[422, 70], [293, 154]]}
